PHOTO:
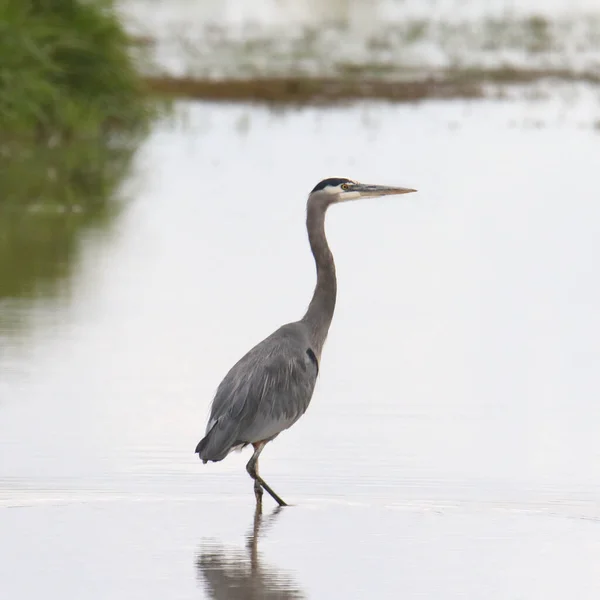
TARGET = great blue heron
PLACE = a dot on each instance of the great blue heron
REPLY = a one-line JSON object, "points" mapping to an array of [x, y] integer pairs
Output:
{"points": [[270, 388]]}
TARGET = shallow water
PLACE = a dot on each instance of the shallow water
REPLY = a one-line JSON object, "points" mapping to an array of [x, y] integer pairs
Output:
{"points": [[451, 449]]}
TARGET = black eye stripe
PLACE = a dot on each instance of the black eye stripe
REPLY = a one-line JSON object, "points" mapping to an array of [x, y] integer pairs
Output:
{"points": [[332, 181]]}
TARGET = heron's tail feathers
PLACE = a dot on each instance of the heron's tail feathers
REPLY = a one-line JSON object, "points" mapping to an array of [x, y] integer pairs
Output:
{"points": [[216, 444]]}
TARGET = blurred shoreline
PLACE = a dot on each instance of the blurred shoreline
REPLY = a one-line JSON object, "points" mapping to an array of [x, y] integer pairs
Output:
{"points": [[349, 56], [304, 90]]}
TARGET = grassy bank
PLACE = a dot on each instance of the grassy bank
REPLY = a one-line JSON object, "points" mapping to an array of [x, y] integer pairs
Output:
{"points": [[66, 72], [67, 79], [73, 109]]}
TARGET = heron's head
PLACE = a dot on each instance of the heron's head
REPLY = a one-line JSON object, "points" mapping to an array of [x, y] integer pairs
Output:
{"points": [[339, 189]]}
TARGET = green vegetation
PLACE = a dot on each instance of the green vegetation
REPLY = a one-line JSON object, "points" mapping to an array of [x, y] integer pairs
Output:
{"points": [[73, 109], [66, 70], [68, 83]]}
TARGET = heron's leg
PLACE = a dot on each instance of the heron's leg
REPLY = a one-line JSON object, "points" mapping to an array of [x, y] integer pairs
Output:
{"points": [[258, 493], [259, 482]]}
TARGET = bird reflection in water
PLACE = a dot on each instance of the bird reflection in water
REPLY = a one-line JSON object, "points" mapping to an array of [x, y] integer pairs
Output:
{"points": [[233, 574]]}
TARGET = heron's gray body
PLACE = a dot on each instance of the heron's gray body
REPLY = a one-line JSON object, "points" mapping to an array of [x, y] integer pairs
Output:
{"points": [[263, 394], [270, 387]]}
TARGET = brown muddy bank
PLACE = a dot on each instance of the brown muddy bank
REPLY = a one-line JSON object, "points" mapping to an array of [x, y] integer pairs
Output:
{"points": [[299, 89]]}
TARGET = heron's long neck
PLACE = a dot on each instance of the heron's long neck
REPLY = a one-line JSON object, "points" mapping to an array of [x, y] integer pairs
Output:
{"points": [[320, 310]]}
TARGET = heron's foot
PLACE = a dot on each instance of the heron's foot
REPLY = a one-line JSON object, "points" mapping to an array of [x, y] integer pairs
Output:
{"points": [[259, 482], [273, 495]]}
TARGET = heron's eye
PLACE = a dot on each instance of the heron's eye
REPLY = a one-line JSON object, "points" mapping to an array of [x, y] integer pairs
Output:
{"points": [[345, 186]]}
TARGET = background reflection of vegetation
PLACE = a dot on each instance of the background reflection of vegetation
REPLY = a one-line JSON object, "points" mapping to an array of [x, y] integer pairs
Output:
{"points": [[73, 109], [49, 199]]}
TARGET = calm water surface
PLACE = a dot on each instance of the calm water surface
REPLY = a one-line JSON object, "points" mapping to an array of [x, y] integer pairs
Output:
{"points": [[451, 449]]}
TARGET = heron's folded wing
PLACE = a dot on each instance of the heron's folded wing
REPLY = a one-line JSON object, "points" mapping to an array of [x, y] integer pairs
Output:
{"points": [[267, 390]]}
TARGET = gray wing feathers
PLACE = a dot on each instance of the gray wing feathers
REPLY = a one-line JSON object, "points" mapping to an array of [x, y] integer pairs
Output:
{"points": [[265, 392]]}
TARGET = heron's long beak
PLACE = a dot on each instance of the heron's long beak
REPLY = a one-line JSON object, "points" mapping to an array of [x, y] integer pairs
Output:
{"points": [[372, 191]]}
